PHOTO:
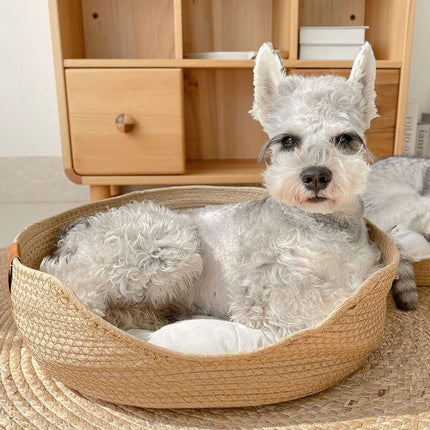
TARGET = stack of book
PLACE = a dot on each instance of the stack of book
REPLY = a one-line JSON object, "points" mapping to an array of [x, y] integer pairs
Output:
{"points": [[331, 43], [417, 133]]}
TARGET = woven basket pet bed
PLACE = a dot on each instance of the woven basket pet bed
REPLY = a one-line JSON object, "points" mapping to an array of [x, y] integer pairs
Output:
{"points": [[90, 355]]}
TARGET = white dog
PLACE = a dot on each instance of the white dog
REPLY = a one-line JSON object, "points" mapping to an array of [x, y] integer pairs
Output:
{"points": [[280, 264]]}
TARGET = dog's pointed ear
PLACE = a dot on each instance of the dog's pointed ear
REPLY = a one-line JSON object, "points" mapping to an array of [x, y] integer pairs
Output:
{"points": [[364, 72], [268, 73]]}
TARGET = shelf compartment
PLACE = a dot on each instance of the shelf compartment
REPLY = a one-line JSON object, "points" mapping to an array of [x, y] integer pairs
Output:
{"points": [[235, 25], [117, 28], [332, 13], [217, 122], [388, 21]]}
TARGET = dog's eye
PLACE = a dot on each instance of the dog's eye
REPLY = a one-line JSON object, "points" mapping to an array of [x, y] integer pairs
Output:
{"points": [[288, 142], [343, 139], [348, 141]]}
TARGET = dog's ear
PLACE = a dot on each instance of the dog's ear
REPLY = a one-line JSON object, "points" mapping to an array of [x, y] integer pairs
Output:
{"points": [[268, 73], [364, 72]]}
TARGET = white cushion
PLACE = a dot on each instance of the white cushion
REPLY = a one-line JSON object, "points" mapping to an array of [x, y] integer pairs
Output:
{"points": [[205, 335]]}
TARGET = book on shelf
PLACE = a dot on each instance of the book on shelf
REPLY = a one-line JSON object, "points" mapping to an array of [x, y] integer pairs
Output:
{"points": [[321, 35], [331, 43], [409, 140], [423, 137], [329, 52]]}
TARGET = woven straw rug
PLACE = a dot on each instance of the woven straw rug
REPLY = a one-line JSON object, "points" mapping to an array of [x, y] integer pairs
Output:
{"points": [[391, 391]]}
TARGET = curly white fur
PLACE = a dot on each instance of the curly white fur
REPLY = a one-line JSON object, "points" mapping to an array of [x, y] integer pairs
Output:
{"points": [[137, 253], [280, 264]]}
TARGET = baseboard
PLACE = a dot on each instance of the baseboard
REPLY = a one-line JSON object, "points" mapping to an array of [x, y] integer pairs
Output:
{"points": [[37, 179]]}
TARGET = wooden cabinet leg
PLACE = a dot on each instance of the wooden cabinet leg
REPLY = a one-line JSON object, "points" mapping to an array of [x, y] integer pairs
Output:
{"points": [[115, 190], [99, 192]]}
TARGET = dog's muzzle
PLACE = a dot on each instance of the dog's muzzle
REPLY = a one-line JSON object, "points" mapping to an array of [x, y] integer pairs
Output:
{"points": [[316, 178]]}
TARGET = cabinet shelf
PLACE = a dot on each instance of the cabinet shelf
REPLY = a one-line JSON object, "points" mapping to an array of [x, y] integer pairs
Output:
{"points": [[197, 171], [212, 64]]}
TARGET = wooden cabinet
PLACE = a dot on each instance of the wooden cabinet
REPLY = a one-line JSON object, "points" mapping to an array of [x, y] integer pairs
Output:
{"points": [[137, 107]]}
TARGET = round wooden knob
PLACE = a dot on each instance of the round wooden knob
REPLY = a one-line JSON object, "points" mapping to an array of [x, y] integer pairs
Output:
{"points": [[124, 123]]}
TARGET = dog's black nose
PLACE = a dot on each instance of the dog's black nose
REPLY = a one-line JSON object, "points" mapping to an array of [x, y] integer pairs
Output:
{"points": [[316, 178]]}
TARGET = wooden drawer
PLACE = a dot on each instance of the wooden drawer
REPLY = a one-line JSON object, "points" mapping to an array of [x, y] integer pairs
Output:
{"points": [[381, 135], [100, 99]]}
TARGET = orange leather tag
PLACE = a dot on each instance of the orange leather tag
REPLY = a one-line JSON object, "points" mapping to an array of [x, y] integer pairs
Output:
{"points": [[13, 252]]}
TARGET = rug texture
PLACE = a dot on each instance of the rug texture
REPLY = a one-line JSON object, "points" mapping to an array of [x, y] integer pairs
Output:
{"points": [[391, 390]]}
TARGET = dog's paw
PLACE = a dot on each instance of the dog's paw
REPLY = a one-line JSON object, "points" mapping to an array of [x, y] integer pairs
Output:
{"points": [[405, 300], [413, 245], [404, 289], [421, 223]]}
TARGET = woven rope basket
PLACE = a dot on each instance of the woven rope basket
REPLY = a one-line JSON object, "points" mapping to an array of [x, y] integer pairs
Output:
{"points": [[90, 355], [422, 272]]}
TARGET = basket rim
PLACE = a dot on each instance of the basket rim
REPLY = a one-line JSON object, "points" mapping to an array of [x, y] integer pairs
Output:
{"points": [[142, 193], [363, 290]]}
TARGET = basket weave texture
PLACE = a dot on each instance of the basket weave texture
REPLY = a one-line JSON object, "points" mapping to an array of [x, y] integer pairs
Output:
{"points": [[88, 354], [422, 272]]}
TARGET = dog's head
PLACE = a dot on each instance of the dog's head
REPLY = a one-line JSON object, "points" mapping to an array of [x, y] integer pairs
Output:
{"points": [[317, 149]]}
